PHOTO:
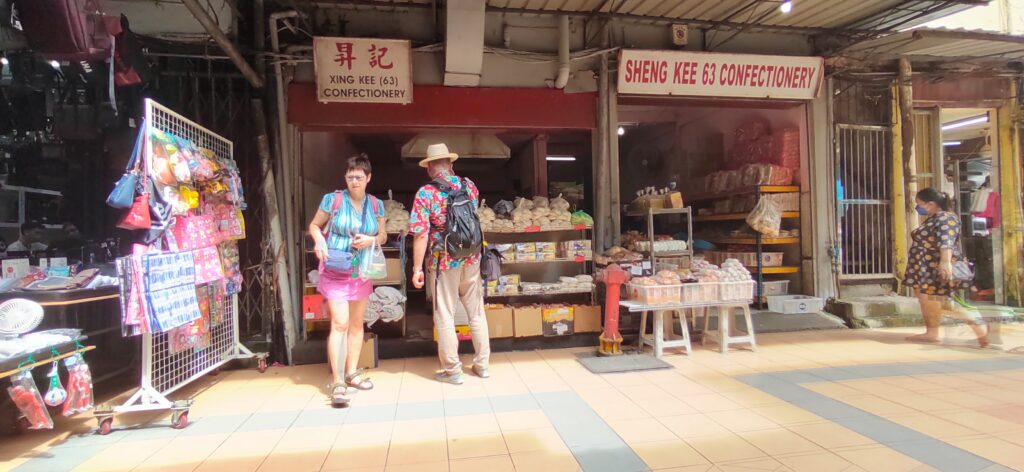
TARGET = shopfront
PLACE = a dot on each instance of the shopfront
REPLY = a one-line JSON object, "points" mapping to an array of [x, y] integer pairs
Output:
{"points": [[526, 147], [734, 133]]}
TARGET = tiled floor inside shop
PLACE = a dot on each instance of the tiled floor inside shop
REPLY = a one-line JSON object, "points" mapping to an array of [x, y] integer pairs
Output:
{"points": [[810, 401]]}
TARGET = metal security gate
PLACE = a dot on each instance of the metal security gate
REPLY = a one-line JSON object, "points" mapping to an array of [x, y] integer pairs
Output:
{"points": [[864, 194]]}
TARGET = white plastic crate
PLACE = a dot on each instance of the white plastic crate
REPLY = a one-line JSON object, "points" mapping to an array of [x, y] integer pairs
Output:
{"points": [[729, 291], [699, 293], [774, 287], [795, 304], [654, 294]]}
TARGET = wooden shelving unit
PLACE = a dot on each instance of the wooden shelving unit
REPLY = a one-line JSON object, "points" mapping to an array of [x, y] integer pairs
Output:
{"points": [[739, 216]]}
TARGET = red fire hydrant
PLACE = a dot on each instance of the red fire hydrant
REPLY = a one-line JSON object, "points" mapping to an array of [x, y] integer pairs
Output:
{"points": [[611, 341]]}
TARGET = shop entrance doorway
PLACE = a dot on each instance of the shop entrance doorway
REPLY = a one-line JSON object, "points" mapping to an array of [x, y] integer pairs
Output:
{"points": [[970, 171]]}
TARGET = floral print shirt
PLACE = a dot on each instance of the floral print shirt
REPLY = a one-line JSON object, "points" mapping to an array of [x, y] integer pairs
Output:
{"points": [[428, 215]]}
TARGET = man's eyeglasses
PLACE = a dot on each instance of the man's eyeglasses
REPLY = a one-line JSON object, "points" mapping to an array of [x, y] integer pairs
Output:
{"points": [[355, 178]]}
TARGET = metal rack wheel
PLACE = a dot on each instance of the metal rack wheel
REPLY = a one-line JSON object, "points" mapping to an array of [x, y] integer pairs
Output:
{"points": [[106, 424], [179, 419]]}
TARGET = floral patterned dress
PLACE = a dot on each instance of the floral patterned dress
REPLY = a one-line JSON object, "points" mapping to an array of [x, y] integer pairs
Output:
{"points": [[939, 231]]}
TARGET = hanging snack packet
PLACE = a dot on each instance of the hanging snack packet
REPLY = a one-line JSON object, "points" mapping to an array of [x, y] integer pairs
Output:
{"points": [[79, 386], [26, 397]]}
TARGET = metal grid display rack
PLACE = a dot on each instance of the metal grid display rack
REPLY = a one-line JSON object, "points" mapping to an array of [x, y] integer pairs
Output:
{"points": [[162, 372]]}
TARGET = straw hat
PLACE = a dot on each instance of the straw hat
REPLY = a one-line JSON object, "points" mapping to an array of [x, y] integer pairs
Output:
{"points": [[438, 151]]}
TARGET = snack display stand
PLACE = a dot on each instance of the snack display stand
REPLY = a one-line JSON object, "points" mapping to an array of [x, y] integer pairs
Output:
{"points": [[164, 372], [653, 253], [547, 266]]}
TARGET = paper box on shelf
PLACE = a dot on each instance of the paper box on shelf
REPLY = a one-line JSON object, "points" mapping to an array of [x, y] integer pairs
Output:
{"points": [[586, 318], [546, 247], [461, 332], [558, 320], [394, 270], [499, 321], [368, 357], [15, 268], [525, 248], [510, 279], [314, 308], [527, 321]]}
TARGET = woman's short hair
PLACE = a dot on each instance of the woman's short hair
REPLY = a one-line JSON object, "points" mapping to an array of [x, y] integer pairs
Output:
{"points": [[931, 195], [359, 162]]}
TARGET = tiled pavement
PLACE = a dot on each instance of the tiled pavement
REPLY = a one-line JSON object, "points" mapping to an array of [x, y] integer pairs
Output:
{"points": [[809, 401]]}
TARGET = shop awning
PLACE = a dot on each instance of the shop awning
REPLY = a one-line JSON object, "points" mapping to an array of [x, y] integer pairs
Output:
{"points": [[943, 45], [806, 16]]}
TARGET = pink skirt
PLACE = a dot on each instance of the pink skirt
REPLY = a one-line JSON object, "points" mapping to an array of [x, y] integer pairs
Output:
{"points": [[341, 287]]}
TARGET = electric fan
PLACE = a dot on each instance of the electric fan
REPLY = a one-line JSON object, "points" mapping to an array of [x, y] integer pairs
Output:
{"points": [[19, 316]]}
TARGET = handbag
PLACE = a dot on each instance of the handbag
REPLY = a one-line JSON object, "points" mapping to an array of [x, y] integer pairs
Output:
{"points": [[339, 260], [123, 194], [374, 266], [138, 216], [962, 271]]}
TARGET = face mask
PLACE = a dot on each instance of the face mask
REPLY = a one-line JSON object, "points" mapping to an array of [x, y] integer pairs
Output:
{"points": [[921, 210]]}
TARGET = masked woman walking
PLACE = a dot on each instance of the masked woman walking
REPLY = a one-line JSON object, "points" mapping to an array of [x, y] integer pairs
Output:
{"points": [[934, 248]]}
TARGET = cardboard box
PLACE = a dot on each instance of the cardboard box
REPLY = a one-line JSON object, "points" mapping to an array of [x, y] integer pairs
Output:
{"points": [[544, 247], [525, 247], [586, 318], [368, 356], [314, 308], [499, 321], [527, 321], [394, 271], [674, 200], [461, 332], [510, 279], [526, 257], [557, 320]]}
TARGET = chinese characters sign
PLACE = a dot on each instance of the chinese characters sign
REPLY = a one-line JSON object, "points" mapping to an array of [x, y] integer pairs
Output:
{"points": [[363, 70], [719, 75]]}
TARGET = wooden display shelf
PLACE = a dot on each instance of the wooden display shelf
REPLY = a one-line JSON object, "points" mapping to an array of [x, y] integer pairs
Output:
{"points": [[578, 260], [740, 216], [777, 270], [540, 295], [697, 197], [538, 229], [788, 240]]}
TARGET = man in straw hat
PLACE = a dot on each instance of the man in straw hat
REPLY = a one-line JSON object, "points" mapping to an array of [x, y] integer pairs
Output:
{"points": [[451, 280]]}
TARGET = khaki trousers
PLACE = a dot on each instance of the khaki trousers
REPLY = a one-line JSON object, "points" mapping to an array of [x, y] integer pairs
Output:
{"points": [[449, 287]]}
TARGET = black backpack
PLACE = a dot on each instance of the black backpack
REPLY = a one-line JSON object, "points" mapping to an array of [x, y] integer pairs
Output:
{"points": [[461, 236]]}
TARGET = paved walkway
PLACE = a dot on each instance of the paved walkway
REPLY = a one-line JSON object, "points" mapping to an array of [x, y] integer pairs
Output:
{"points": [[810, 401]]}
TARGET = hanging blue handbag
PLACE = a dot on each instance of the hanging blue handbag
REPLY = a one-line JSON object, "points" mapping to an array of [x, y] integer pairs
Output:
{"points": [[126, 187], [339, 260]]}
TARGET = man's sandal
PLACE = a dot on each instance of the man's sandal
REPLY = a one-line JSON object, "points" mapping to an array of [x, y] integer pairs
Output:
{"points": [[357, 381]]}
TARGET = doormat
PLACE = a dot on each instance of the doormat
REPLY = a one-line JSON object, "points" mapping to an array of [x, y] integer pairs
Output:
{"points": [[627, 362]]}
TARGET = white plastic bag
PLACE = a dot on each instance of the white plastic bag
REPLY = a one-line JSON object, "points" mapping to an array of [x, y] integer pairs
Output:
{"points": [[766, 218], [372, 264]]}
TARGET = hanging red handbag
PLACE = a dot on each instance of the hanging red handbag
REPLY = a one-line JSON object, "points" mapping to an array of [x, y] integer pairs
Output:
{"points": [[138, 215]]}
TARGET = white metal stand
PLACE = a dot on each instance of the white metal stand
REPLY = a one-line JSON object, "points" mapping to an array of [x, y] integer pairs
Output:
{"points": [[163, 372]]}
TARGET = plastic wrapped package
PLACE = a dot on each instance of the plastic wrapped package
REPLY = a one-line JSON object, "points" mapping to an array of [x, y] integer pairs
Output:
{"points": [[560, 204], [786, 201], [785, 148], [80, 397], [766, 174], [766, 218], [582, 218], [26, 397]]}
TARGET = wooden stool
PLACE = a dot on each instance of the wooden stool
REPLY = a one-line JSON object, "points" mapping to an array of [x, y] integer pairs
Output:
{"points": [[658, 339], [725, 338]]}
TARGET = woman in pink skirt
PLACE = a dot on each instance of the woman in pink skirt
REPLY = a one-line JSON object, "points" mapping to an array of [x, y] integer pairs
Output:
{"points": [[345, 225]]}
